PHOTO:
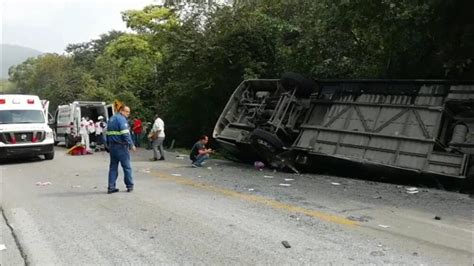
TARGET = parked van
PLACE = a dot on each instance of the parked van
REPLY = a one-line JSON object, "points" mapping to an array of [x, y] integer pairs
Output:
{"points": [[67, 119], [24, 129]]}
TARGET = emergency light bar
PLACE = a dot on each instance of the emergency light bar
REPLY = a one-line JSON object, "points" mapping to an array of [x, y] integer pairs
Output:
{"points": [[30, 101]]}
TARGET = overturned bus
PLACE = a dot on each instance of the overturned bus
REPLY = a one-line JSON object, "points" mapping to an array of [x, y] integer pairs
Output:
{"points": [[418, 126]]}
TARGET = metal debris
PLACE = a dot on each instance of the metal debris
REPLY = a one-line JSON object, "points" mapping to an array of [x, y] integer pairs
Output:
{"points": [[285, 185], [286, 244], [47, 183], [335, 183]]}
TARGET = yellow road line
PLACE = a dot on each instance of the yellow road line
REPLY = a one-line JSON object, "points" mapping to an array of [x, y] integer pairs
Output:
{"points": [[259, 199]]}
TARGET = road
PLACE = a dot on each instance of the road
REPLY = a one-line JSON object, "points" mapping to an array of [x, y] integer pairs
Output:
{"points": [[228, 213]]}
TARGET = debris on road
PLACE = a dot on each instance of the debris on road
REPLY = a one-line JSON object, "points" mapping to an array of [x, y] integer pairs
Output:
{"points": [[286, 244], [259, 165], [209, 168], [146, 170], [268, 176], [251, 189], [384, 226], [180, 156], [377, 253], [76, 186], [335, 183], [176, 174], [47, 183], [437, 218], [289, 179], [2, 247], [285, 185], [359, 219]]}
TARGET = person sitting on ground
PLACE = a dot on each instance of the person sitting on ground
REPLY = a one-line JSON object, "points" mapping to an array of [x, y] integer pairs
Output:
{"points": [[199, 153]]}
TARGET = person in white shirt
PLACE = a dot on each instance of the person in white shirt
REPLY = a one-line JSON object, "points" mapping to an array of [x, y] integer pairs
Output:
{"points": [[158, 136], [83, 131], [99, 133]]}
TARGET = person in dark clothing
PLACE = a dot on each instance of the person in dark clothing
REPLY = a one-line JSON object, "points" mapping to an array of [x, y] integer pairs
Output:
{"points": [[199, 152], [119, 143]]}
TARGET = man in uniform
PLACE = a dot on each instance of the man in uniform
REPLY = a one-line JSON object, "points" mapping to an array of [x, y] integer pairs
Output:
{"points": [[119, 143]]}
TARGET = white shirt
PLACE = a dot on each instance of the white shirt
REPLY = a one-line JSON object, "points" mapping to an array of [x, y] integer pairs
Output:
{"points": [[159, 125], [83, 129], [91, 127], [98, 128]]}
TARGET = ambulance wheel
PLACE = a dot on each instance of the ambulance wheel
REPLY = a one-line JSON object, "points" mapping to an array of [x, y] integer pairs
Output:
{"points": [[49, 156]]}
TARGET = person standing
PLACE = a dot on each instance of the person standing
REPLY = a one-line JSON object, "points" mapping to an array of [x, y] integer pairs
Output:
{"points": [[119, 143], [91, 130], [83, 131], [199, 152], [99, 133], [158, 136], [137, 131]]}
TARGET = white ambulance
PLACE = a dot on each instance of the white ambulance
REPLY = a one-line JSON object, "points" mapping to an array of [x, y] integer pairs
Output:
{"points": [[24, 129], [67, 119]]}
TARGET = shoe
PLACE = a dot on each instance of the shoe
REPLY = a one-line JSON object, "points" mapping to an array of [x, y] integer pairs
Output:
{"points": [[130, 189], [161, 159], [153, 159], [110, 191], [194, 165]]}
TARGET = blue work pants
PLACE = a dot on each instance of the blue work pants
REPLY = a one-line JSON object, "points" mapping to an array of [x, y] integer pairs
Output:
{"points": [[200, 159], [120, 153]]}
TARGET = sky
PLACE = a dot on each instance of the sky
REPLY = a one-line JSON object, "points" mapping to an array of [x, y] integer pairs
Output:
{"points": [[50, 25]]}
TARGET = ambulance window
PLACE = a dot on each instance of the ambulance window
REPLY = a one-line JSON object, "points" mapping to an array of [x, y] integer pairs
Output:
{"points": [[63, 118], [21, 116]]}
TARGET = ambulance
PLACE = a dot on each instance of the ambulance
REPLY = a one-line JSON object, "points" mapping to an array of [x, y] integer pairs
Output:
{"points": [[67, 119], [24, 130]]}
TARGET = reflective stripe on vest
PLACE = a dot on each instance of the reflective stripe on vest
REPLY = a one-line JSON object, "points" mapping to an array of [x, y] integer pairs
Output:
{"points": [[117, 133]]}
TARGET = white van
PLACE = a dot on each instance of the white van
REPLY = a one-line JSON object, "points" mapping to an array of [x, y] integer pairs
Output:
{"points": [[67, 119], [24, 129]]}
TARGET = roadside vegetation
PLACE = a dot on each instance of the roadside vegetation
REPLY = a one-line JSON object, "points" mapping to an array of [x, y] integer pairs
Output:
{"points": [[184, 61]]}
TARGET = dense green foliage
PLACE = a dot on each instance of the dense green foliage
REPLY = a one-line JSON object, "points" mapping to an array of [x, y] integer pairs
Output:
{"points": [[185, 62]]}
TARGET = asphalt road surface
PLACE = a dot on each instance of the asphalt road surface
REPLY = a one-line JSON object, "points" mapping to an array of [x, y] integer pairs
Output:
{"points": [[57, 212]]}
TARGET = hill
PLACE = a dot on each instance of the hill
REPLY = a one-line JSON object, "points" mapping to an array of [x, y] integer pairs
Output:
{"points": [[13, 55]]}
